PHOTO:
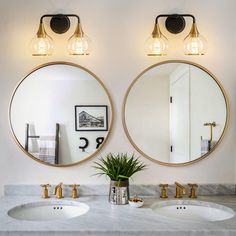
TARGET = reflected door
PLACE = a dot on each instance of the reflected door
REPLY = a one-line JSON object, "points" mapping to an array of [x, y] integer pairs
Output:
{"points": [[179, 116], [153, 124]]}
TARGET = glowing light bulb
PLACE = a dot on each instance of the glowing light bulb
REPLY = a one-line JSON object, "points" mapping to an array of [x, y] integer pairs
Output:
{"points": [[78, 46], [157, 43], [156, 47], [41, 47]]}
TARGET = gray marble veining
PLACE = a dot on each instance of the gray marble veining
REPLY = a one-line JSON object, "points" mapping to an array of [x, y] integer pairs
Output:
{"points": [[106, 219], [217, 189], [36, 190], [102, 190]]}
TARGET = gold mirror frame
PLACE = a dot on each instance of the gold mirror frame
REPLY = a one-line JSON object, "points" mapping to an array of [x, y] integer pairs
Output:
{"points": [[109, 126], [184, 163]]}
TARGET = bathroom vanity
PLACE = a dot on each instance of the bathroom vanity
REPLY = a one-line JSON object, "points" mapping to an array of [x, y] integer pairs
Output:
{"points": [[102, 218], [164, 95], [183, 115]]}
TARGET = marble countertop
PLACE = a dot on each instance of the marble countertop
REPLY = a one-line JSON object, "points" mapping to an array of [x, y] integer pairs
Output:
{"points": [[106, 219]]}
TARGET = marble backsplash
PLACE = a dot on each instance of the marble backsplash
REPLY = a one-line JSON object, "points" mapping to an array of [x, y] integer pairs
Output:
{"points": [[102, 190]]}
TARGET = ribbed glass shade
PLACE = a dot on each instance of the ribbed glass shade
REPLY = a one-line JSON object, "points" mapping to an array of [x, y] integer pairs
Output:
{"points": [[156, 46], [79, 45], [157, 43], [194, 43], [41, 46]]}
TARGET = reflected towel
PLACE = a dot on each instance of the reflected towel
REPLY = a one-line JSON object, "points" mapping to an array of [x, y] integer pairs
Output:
{"points": [[206, 146], [47, 149]]}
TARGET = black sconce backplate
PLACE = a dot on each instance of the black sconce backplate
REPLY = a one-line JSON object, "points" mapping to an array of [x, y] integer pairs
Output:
{"points": [[175, 23], [60, 23]]}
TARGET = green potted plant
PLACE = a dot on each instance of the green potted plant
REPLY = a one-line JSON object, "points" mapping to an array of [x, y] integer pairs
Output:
{"points": [[119, 168]]}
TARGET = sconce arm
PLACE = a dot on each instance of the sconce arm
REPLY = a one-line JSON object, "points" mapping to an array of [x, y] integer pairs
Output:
{"points": [[168, 15], [63, 15]]}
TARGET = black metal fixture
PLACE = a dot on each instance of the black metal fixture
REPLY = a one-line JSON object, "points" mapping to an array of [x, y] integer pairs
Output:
{"points": [[60, 24], [157, 44], [42, 43]]}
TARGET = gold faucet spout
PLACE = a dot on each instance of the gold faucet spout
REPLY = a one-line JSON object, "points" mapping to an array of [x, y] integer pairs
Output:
{"points": [[58, 191], [180, 190]]}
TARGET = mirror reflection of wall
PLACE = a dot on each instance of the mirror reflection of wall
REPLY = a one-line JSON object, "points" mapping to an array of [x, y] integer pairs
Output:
{"points": [[44, 117], [175, 113]]}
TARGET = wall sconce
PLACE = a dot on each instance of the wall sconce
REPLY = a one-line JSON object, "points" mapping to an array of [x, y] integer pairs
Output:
{"points": [[157, 43], [42, 43]]}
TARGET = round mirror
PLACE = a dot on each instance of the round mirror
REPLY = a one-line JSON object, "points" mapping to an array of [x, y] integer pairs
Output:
{"points": [[175, 113], [60, 114]]}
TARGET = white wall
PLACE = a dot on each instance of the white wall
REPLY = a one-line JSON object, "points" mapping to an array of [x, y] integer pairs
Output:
{"points": [[147, 115], [118, 30]]}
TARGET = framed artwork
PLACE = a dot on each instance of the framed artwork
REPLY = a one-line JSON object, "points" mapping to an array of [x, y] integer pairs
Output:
{"points": [[91, 118]]}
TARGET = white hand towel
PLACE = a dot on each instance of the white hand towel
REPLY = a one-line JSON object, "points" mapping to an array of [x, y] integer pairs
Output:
{"points": [[206, 145], [47, 149]]}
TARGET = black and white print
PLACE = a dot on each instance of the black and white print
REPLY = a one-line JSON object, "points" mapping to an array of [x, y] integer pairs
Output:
{"points": [[91, 118]]}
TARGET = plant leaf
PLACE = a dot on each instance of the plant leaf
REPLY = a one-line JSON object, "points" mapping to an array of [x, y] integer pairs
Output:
{"points": [[119, 167]]}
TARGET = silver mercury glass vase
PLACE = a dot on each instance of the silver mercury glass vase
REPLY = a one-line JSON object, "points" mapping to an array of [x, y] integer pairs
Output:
{"points": [[119, 192]]}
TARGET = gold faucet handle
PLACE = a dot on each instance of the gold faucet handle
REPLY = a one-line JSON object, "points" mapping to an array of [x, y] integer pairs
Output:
{"points": [[193, 190], [45, 190], [74, 185], [163, 190], [74, 190], [45, 185], [193, 185]]}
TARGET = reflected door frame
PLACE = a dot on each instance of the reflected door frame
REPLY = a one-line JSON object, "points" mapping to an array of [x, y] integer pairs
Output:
{"points": [[180, 148]]}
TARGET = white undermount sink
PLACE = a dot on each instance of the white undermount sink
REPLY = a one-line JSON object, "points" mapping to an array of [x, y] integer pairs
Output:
{"points": [[48, 210], [191, 210]]}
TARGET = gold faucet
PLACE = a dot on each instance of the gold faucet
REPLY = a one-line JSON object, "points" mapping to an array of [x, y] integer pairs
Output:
{"points": [[163, 190], [74, 190], [45, 190], [180, 190], [193, 190], [58, 191]]}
